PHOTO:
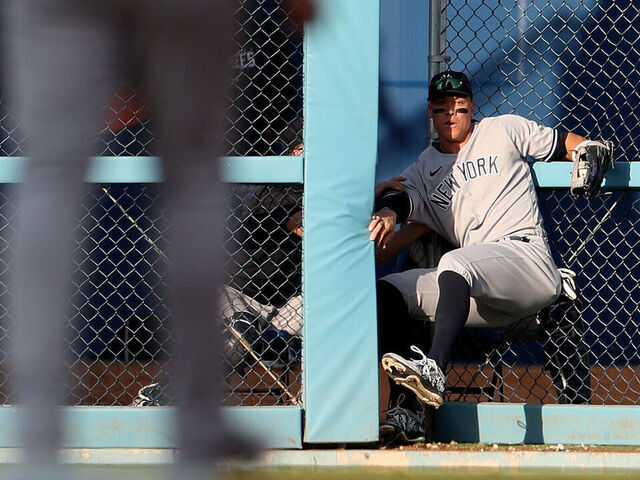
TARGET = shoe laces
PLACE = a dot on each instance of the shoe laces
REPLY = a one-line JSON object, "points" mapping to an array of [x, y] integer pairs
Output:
{"points": [[404, 418], [429, 369]]}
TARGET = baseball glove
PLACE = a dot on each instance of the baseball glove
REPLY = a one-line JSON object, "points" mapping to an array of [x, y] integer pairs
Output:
{"points": [[591, 162]]}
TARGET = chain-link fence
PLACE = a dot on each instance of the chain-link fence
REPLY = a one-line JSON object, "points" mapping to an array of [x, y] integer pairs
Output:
{"points": [[120, 336], [262, 295], [569, 65], [264, 116]]}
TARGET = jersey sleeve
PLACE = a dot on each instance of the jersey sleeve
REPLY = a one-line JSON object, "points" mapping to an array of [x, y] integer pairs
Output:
{"points": [[531, 139], [415, 188]]}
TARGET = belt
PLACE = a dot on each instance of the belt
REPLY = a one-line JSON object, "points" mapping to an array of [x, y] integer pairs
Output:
{"points": [[515, 238]]}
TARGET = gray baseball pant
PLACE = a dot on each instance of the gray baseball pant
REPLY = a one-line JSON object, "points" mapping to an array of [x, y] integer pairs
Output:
{"points": [[509, 280]]}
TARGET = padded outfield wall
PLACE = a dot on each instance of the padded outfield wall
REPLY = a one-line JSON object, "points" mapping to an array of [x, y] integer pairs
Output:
{"points": [[329, 392]]}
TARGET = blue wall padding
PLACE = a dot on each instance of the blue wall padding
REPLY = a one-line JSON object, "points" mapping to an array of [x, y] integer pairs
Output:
{"points": [[341, 114]]}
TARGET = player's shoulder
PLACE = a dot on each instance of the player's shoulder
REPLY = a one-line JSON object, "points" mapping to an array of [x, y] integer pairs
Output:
{"points": [[514, 126], [424, 160], [427, 154], [506, 120]]}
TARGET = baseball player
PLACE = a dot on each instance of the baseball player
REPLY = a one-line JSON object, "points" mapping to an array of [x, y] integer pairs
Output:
{"points": [[474, 188]]}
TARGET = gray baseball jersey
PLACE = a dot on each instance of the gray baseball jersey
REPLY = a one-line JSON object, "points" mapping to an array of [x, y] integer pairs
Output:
{"points": [[477, 199], [485, 192]]}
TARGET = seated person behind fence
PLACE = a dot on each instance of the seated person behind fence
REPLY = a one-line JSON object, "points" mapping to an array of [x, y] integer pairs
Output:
{"points": [[265, 257], [263, 285], [474, 188]]}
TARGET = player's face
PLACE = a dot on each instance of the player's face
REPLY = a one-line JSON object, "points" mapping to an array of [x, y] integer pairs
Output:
{"points": [[452, 118]]}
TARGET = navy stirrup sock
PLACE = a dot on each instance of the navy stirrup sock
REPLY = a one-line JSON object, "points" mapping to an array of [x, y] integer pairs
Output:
{"points": [[452, 312]]}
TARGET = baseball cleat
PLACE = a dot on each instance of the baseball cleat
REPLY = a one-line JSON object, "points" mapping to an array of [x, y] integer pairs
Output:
{"points": [[423, 377], [402, 427]]}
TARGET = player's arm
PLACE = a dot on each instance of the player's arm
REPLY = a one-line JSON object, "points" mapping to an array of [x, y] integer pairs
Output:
{"points": [[571, 141], [539, 142], [392, 207], [408, 234], [393, 184], [566, 144]]}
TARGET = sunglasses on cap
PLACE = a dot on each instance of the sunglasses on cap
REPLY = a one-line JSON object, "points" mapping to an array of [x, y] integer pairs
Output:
{"points": [[447, 83], [450, 83]]}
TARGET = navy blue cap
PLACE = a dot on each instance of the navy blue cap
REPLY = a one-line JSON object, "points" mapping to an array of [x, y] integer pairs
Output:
{"points": [[449, 82]]}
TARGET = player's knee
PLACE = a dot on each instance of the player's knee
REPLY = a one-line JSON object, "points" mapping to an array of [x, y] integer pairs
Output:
{"points": [[451, 262], [551, 293], [390, 302], [391, 309]]}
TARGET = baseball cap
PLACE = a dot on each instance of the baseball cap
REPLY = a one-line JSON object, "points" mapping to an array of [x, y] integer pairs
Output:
{"points": [[449, 82]]}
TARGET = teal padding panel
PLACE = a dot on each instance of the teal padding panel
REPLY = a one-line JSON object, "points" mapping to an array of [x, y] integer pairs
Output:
{"points": [[590, 424], [273, 427], [110, 427], [11, 169], [558, 175], [99, 169], [129, 427], [263, 169], [457, 421], [341, 101], [510, 423], [539, 424], [124, 170], [287, 170], [149, 169]]}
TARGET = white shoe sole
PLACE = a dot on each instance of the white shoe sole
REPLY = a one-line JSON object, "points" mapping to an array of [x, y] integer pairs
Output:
{"points": [[411, 380]]}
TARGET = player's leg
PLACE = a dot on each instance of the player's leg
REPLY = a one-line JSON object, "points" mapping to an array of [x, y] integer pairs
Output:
{"points": [[515, 277], [58, 63], [185, 63], [452, 312], [422, 376], [421, 292], [396, 330], [491, 284], [511, 276]]}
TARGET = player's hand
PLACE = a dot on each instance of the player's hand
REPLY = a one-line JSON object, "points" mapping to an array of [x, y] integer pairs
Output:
{"points": [[393, 184], [294, 223], [382, 227]]}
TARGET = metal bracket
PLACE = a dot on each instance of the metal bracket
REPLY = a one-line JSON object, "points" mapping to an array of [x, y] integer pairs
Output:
{"points": [[439, 58]]}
